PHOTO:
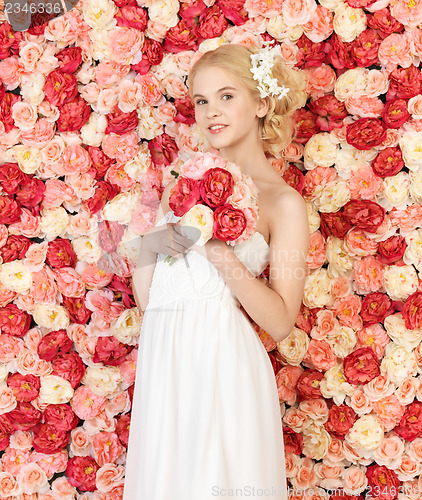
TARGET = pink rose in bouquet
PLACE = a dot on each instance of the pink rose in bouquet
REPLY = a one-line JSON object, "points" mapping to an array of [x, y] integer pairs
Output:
{"points": [[214, 196]]}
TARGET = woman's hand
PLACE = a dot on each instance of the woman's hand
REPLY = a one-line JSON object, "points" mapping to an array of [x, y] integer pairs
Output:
{"points": [[169, 240]]}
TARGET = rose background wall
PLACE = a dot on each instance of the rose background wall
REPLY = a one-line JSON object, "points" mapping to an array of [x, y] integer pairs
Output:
{"points": [[94, 118]]}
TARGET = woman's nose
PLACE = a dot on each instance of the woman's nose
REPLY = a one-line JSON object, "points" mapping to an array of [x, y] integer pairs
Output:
{"points": [[213, 110]]}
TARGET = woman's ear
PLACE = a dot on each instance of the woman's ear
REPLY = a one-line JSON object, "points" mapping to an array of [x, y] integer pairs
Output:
{"points": [[263, 107]]}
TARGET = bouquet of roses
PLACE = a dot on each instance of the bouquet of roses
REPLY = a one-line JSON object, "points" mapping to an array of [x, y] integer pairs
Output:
{"points": [[214, 196]]}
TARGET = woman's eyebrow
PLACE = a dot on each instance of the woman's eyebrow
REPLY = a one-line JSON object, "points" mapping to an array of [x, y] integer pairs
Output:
{"points": [[219, 90]]}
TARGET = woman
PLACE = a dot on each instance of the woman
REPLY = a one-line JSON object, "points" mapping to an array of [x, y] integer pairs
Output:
{"points": [[206, 418]]}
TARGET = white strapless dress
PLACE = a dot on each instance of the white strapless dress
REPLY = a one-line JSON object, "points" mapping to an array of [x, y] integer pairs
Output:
{"points": [[206, 419]]}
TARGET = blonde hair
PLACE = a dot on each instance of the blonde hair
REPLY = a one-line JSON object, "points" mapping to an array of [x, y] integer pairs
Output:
{"points": [[276, 126]]}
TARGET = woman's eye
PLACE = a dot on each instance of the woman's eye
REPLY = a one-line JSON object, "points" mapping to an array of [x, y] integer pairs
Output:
{"points": [[229, 96], [200, 101]]}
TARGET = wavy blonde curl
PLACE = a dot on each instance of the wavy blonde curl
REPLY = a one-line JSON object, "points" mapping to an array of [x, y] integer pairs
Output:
{"points": [[276, 127]]}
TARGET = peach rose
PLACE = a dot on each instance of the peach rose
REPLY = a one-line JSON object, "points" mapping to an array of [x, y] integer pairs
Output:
{"points": [[9, 486], [7, 400], [150, 89], [40, 135], [11, 71], [35, 256], [29, 225], [6, 295], [407, 13], [122, 147], [29, 53], [76, 159], [354, 480], [21, 440], [62, 490], [317, 252], [335, 452], [33, 338], [414, 449], [326, 322], [286, 379], [125, 43], [389, 411], [44, 288], [389, 451], [395, 49], [291, 462], [373, 336], [51, 463], [69, 282], [109, 72], [320, 25], [368, 275], [106, 448], [107, 100], [321, 80], [316, 409], [14, 460], [406, 390], [32, 479], [129, 96], [408, 468], [86, 404], [9, 347], [295, 12], [359, 402], [80, 442], [174, 87], [24, 115], [109, 476], [414, 106], [120, 403], [320, 354], [306, 477], [378, 388], [82, 184]]}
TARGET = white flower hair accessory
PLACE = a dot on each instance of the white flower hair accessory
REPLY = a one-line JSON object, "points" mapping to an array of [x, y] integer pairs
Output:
{"points": [[262, 63]]}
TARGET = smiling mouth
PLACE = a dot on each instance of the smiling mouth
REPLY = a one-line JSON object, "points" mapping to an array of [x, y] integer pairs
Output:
{"points": [[216, 128]]}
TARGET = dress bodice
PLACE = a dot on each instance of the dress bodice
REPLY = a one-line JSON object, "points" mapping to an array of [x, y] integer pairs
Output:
{"points": [[194, 276]]}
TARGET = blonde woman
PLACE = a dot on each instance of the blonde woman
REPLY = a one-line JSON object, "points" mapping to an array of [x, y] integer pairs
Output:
{"points": [[206, 419]]}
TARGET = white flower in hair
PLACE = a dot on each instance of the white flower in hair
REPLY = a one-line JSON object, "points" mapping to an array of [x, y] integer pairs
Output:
{"points": [[262, 64]]}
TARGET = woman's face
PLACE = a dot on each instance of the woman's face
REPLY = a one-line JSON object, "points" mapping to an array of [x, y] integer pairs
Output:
{"points": [[225, 110]]}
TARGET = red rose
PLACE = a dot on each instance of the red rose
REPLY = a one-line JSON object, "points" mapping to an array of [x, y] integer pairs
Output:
{"points": [[152, 54], [6, 425], [60, 416], [360, 4], [388, 162], [410, 426], [81, 473], [361, 366], [10, 210], [123, 287], [383, 482], [120, 123], [366, 133], [294, 177], [364, 214], [330, 111], [216, 186], [4, 440], [180, 38], [334, 223], [77, 310], [60, 254], [310, 54], [9, 40], [293, 441], [376, 306], [122, 428], [395, 113], [132, 16], [104, 191], [60, 88], [11, 176], [365, 47], [306, 318], [340, 419], [163, 150], [305, 125], [53, 343], [185, 111], [411, 311], [212, 23], [100, 162], [234, 11], [69, 59], [15, 247], [6, 104], [25, 416], [384, 22], [229, 223], [69, 366], [110, 351], [30, 192], [392, 249], [49, 439], [110, 235], [24, 387], [405, 83], [190, 12], [275, 363], [308, 384], [184, 195], [340, 53], [14, 321], [73, 115]]}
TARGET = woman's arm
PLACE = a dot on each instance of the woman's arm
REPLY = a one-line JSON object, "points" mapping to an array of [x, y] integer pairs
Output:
{"points": [[275, 307], [144, 271]]}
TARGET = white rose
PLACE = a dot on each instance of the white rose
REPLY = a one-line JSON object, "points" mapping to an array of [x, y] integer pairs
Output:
{"points": [[400, 281], [201, 218], [333, 196], [317, 289], [4, 372], [54, 222], [352, 83], [93, 131], [139, 165], [278, 29], [411, 146], [98, 13], [398, 363], [314, 218], [395, 191], [87, 248], [413, 252], [366, 433], [294, 347], [127, 326], [320, 151], [339, 260], [316, 441], [55, 390], [415, 189], [331, 5], [32, 87], [101, 48], [148, 127], [28, 158], [348, 22], [102, 380], [120, 208], [51, 316], [15, 276], [334, 385], [163, 11], [350, 159], [399, 334], [342, 339]]}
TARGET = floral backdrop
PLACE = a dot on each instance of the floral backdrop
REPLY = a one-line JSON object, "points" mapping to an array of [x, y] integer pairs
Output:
{"points": [[95, 120]]}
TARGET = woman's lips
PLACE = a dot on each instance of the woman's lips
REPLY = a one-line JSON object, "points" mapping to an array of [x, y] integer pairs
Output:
{"points": [[217, 130]]}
